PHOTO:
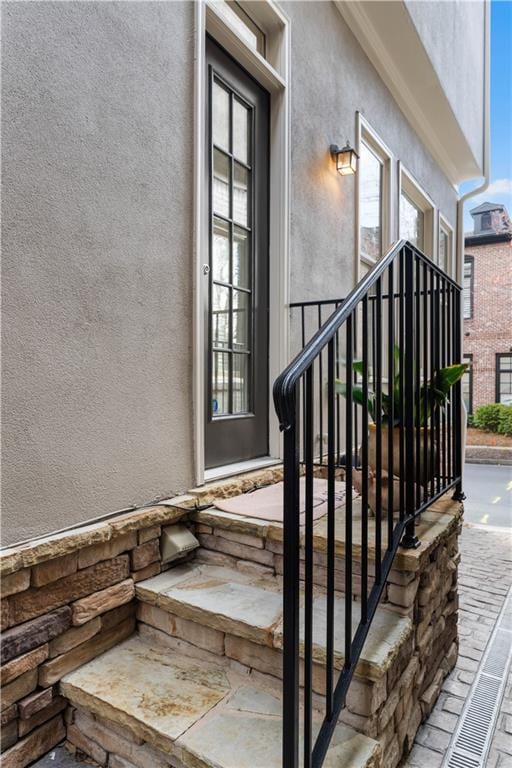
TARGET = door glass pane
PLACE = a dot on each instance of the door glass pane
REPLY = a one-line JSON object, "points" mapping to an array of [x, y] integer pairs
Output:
{"points": [[220, 261], [220, 316], [220, 116], [241, 258], [241, 195], [241, 308], [220, 383], [241, 132], [411, 222], [240, 383], [221, 182], [370, 170], [444, 245]]}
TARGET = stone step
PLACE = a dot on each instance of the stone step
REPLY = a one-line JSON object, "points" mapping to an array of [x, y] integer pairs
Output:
{"points": [[241, 615], [137, 705], [230, 537]]}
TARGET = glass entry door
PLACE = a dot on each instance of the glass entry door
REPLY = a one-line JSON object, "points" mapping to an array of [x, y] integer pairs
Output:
{"points": [[236, 310]]}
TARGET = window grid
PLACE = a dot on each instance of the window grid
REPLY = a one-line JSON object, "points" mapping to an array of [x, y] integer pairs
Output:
{"points": [[468, 279], [504, 378], [230, 286]]}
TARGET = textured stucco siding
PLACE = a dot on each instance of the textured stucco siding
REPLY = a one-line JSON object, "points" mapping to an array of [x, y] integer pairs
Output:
{"points": [[97, 213], [452, 33], [97, 199], [330, 81]]}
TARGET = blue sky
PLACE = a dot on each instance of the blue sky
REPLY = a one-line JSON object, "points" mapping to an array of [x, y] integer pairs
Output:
{"points": [[500, 188]]}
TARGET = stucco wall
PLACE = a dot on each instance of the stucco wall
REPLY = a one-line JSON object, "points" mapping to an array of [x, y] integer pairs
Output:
{"points": [[97, 196], [331, 81], [452, 34]]}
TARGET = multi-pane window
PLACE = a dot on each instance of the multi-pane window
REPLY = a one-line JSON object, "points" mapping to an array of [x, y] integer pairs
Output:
{"points": [[468, 287], [412, 222], [504, 379], [231, 249], [445, 247], [370, 203], [467, 384]]}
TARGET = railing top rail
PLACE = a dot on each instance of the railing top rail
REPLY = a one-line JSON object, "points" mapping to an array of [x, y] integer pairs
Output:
{"points": [[314, 303], [284, 385]]}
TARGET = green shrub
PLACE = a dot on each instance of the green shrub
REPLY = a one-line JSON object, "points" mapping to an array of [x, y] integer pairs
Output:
{"points": [[505, 420], [471, 420], [494, 418]]}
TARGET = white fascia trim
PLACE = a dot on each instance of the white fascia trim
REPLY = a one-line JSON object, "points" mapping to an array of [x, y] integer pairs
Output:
{"points": [[416, 87]]}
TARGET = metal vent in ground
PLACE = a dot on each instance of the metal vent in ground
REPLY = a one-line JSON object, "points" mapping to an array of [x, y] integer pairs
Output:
{"points": [[472, 738]]}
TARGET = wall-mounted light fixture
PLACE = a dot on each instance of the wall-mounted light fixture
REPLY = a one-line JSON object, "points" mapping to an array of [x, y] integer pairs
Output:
{"points": [[345, 159]]}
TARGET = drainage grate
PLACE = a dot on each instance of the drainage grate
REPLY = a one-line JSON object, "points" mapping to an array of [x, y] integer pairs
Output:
{"points": [[472, 738]]}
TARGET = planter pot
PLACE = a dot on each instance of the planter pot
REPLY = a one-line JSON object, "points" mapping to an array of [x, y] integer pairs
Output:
{"points": [[426, 468]]}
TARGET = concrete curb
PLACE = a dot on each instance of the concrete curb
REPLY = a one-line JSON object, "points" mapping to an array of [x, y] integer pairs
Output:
{"points": [[489, 454]]}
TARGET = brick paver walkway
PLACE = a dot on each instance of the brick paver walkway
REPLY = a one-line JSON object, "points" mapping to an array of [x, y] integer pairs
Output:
{"points": [[485, 577]]}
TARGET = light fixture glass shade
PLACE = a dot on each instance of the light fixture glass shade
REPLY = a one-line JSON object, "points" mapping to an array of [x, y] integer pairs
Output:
{"points": [[346, 159]]}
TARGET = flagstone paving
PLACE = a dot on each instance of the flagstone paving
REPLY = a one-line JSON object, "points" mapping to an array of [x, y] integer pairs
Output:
{"points": [[485, 577]]}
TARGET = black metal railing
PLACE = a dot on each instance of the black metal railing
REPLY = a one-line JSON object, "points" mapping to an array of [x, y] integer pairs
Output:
{"points": [[384, 346]]}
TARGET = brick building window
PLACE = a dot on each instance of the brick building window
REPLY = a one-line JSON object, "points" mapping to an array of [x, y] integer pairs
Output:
{"points": [[504, 379], [467, 384], [469, 269]]}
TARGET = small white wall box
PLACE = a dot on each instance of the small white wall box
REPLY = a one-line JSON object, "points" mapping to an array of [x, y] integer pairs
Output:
{"points": [[176, 541]]}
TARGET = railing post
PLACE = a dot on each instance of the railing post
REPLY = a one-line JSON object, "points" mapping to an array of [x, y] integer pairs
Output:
{"points": [[459, 494], [291, 555], [410, 540]]}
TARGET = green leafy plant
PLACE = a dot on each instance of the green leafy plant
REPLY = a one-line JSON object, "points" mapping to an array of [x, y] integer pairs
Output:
{"points": [[495, 417], [433, 394]]}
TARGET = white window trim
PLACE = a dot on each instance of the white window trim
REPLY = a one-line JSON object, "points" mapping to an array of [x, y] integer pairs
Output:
{"points": [[367, 135], [416, 193], [272, 73], [444, 226]]}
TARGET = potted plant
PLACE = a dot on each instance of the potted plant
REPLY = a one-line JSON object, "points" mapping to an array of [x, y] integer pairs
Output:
{"points": [[433, 397]]}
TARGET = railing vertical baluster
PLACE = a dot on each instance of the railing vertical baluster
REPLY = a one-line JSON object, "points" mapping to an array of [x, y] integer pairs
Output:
{"points": [[378, 429], [338, 400], [401, 383], [409, 539], [443, 365], [321, 394], [329, 667], [364, 468], [457, 399], [432, 374], [426, 331], [303, 338], [348, 505], [449, 404], [308, 568], [391, 395], [437, 361], [291, 573], [417, 381]]}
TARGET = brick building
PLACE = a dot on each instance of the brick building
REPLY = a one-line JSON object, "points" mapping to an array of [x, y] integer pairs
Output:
{"points": [[487, 307]]}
